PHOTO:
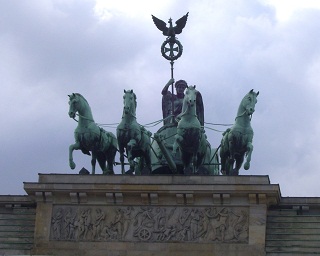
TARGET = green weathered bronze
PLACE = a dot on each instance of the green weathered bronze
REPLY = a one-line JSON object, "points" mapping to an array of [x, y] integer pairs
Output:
{"points": [[133, 137], [237, 140], [171, 48], [190, 137], [90, 137], [195, 154], [166, 153], [180, 146]]}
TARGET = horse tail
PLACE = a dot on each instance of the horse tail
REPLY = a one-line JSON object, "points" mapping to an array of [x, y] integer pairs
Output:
{"points": [[113, 141]]}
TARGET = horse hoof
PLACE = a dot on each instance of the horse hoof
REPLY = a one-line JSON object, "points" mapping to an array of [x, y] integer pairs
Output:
{"points": [[72, 165], [202, 171], [246, 166], [145, 171], [129, 172], [234, 172], [188, 171]]}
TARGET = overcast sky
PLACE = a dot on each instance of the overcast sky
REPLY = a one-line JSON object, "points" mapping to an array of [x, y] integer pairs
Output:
{"points": [[50, 49]]}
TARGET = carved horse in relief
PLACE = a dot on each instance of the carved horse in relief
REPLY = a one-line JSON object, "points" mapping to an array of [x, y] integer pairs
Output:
{"points": [[190, 137], [133, 137], [236, 142], [90, 137]]}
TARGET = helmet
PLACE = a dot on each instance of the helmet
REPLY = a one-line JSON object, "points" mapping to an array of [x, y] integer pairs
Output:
{"points": [[181, 83]]}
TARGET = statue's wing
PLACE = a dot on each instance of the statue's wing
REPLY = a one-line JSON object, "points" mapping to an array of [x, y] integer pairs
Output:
{"points": [[200, 109], [181, 23], [160, 24]]}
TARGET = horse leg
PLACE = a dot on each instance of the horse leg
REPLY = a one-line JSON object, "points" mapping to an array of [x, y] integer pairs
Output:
{"points": [[147, 160], [73, 147], [93, 162], [248, 154], [225, 152], [132, 143], [239, 161], [139, 169], [110, 159], [177, 142], [231, 159], [194, 162], [229, 165], [223, 159], [121, 151], [178, 139], [204, 152], [186, 160]]}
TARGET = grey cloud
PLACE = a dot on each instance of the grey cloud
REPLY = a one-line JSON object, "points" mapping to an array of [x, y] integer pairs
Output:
{"points": [[51, 49]]}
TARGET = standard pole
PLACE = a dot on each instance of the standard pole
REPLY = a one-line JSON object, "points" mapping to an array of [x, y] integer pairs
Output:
{"points": [[172, 91]]}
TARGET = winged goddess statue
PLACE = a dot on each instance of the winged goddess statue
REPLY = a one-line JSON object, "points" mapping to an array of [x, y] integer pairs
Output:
{"points": [[170, 31]]}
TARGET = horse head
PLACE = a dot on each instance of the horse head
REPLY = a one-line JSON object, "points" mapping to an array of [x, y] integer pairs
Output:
{"points": [[248, 102], [192, 104], [129, 102], [79, 104], [74, 105], [190, 96]]}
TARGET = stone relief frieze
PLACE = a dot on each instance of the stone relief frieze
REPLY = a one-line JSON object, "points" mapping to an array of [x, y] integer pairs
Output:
{"points": [[150, 224]]}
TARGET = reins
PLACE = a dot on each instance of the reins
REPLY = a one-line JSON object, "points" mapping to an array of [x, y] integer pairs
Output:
{"points": [[152, 124], [82, 117], [240, 115]]}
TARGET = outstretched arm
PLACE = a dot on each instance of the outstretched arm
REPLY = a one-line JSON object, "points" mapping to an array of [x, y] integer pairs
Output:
{"points": [[166, 87]]}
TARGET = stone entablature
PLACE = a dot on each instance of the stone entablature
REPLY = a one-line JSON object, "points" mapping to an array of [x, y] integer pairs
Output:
{"points": [[155, 189], [222, 213]]}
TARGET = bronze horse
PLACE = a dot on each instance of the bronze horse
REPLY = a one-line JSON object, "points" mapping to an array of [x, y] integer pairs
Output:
{"points": [[237, 140], [132, 137], [90, 137], [190, 137]]}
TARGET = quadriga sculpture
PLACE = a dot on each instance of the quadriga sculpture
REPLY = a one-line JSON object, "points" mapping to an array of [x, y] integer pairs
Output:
{"points": [[237, 140], [190, 137], [90, 137], [132, 136]]}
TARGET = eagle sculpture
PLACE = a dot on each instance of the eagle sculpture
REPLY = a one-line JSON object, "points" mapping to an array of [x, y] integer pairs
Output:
{"points": [[170, 31]]}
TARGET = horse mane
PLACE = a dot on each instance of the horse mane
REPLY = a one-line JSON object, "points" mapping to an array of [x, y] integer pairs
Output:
{"points": [[79, 95], [135, 100], [184, 106], [134, 97]]}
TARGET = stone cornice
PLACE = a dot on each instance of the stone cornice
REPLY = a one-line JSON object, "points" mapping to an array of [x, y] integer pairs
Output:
{"points": [[235, 190]]}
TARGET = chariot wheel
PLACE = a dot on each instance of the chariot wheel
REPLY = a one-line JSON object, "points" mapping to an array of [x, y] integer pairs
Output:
{"points": [[144, 234]]}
